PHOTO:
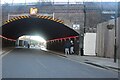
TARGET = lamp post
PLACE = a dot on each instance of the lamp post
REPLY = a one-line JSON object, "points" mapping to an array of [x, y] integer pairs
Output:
{"points": [[82, 31], [110, 27], [115, 25], [115, 48], [115, 28]]}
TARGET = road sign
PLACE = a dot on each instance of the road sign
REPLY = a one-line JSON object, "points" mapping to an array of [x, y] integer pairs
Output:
{"points": [[33, 11]]}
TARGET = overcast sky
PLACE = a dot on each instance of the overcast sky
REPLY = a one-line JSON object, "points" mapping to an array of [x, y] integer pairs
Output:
{"points": [[23, 1]]}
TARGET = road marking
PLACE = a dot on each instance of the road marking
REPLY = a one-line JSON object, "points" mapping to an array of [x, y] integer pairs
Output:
{"points": [[41, 64], [6, 53]]}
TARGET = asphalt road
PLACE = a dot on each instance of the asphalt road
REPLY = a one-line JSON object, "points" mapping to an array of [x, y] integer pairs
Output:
{"points": [[34, 63]]}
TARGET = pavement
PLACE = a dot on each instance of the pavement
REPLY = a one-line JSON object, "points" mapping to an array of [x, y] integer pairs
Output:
{"points": [[107, 63]]}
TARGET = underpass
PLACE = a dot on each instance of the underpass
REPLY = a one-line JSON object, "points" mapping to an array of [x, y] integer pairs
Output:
{"points": [[51, 29], [32, 62]]}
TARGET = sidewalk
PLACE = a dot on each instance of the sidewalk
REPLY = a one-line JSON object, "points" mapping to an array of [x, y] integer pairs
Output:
{"points": [[96, 61], [107, 63]]}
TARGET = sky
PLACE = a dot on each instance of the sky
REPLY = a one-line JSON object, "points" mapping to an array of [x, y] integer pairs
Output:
{"points": [[27, 1]]}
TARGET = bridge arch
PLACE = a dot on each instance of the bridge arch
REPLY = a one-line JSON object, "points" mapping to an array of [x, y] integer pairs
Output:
{"points": [[45, 26], [51, 28]]}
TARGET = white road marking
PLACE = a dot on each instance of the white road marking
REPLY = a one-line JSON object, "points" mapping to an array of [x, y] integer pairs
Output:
{"points": [[41, 64], [6, 53]]}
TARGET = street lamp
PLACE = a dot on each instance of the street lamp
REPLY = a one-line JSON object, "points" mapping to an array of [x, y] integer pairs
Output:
{"points": [[115, 50], [82, 31], [111, 26]]}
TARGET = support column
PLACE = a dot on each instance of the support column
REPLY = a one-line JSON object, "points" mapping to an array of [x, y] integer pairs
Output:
{"points": [[81, 43], [0, 40], [18, 43], [23, 43]]}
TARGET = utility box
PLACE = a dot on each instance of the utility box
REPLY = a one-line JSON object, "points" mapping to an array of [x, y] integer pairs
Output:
{"points": [[89, 43]]}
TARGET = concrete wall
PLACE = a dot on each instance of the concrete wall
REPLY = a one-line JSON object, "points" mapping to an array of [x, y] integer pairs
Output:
{"points": [[0, 28], [7, 43], [105, 41]]}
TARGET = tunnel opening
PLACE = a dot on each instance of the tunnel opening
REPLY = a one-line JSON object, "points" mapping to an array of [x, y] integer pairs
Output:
{"points": [[31, 41], [51, 29]]}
